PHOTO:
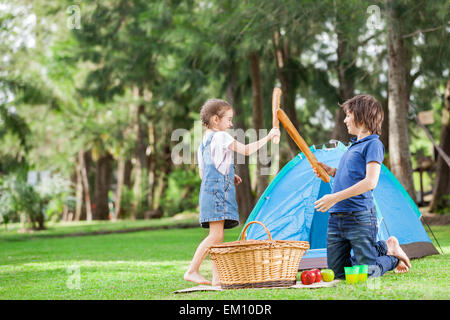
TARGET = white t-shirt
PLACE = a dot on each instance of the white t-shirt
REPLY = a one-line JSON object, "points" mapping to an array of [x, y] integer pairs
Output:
{"points": [[221, 155]]}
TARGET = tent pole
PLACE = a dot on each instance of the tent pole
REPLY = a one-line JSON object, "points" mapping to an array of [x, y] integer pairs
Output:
{"points": [[429, 228]]}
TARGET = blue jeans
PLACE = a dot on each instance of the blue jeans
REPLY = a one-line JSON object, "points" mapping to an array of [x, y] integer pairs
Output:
{"points": [[357, 231]]}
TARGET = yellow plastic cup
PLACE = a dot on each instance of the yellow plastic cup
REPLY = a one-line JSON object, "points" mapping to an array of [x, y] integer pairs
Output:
{"points": [[362, 274], [351, 274]]}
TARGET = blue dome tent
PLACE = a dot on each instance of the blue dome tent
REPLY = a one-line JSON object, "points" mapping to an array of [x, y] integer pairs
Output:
{"points": [[287, 209]]}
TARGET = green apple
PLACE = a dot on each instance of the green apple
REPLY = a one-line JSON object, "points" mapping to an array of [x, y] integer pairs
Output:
{"points": [[327, 275]]}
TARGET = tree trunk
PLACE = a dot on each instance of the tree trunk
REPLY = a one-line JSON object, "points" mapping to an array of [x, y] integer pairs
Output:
{"points": [[441, 189], [40, 219], [244, 196], [140, 167], [385, 126], [162, 179], [160, 186], [286, 74], [399, 153], [23, 221], [102, 184], [79, 190], [120, 182], [345, 71], [151, 164], [86, 188], [258, 124], [127, 174], [125, 208]]}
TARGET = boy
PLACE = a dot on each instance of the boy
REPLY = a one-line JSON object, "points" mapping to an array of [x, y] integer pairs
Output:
{"points": [[353, 221]]}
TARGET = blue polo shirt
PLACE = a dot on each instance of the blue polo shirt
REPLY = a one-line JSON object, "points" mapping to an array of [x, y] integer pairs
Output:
{"points": [[352, 169]]}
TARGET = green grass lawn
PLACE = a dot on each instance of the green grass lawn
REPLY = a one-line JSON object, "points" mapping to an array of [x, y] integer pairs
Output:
{"points": [[151, 264]]}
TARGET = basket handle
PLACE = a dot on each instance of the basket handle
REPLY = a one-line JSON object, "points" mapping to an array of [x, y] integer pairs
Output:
{"points": [[248, 224]]}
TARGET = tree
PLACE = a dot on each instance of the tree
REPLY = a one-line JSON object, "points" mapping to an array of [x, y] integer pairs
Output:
{"points": [[441, 189], [399, 153], [258, 118], [244, 196], [83, 187], [102, 186], [124, 41], [428, 53], [349, 24]]}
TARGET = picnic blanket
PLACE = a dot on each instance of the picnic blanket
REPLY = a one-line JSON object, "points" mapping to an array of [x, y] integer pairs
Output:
{"points": [[298, 285]]}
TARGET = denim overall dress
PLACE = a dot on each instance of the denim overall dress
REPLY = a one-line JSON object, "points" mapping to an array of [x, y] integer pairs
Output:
{"points": [[217, 192]]}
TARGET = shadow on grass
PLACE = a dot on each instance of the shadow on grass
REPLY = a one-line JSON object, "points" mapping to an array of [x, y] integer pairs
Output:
{"points": [[99, 229]]}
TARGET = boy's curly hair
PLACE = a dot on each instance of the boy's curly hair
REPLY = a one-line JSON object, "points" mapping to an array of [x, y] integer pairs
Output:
{"points": [[367, 111], [213, 107]]}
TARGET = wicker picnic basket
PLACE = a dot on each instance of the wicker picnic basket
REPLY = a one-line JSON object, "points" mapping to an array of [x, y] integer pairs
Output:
{"points": [[258, 263]]}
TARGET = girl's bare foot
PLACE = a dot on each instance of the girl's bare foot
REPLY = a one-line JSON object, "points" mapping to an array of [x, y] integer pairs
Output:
{"points": [[215, 281], [195, 277], [401, 267], [395, 250]]}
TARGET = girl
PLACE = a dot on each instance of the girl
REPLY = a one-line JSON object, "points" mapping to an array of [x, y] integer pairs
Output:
{"points": [[218, 207]]}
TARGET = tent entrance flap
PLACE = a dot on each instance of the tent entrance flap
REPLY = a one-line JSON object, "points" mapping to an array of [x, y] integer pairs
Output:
{"points": [[318, 234]]}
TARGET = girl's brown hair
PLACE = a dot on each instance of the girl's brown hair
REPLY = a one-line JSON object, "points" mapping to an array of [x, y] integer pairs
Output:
{"points": [[213, 107], [366, 111]]}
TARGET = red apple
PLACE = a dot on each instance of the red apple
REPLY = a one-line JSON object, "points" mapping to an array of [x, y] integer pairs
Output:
{"points": [[308, 277], [318, 274]]}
